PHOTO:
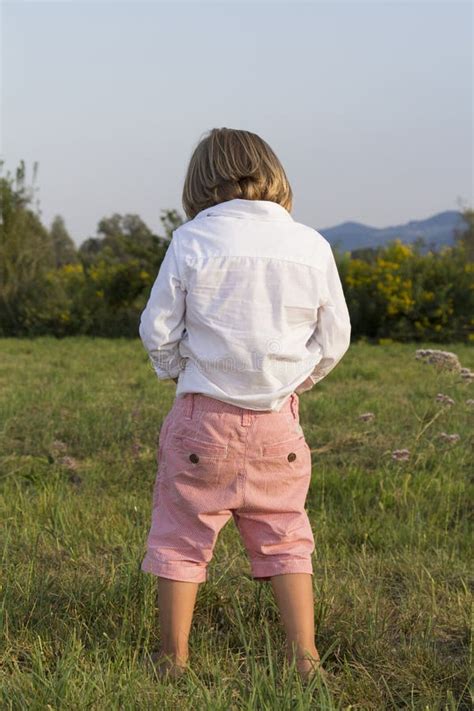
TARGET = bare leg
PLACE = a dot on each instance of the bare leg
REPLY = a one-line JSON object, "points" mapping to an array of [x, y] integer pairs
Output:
{"points": [[294, 596], [176, 601]]}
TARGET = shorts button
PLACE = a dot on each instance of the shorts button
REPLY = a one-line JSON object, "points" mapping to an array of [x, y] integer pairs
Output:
{"points": [[194, 458], [291, 457]]}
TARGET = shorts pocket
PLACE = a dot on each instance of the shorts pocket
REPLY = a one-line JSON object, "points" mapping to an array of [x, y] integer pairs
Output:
{"points": [[289, 449], [284, 473], [198, 447], [193, 472]]}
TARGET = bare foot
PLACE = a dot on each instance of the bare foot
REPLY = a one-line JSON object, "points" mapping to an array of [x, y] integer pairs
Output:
{"points": [[165, 666], [308, 667]]}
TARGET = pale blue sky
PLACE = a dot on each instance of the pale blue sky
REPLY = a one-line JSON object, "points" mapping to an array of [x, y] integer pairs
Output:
{"points": [[368, 104]]}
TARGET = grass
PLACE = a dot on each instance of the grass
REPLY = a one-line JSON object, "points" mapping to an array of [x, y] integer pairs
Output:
{"points": [[79, 424]]}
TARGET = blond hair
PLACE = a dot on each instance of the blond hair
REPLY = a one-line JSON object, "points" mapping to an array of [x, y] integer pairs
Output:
{"points": [[227, 164]]}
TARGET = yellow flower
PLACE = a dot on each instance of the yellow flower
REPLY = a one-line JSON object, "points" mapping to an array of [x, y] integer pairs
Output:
{"points": [[72, 269]]}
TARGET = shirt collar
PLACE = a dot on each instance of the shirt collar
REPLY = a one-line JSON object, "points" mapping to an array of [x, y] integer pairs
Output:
{"points": [[253, 209]]}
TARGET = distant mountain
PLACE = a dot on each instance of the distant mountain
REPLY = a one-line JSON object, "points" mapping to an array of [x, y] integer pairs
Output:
{"points": [[437, 231]]}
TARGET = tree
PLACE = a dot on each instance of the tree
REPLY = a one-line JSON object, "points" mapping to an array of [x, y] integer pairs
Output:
{"points": [[26, 251], [124, 238], [65, 251], [171, 220], [121, 239], [465, 237]]}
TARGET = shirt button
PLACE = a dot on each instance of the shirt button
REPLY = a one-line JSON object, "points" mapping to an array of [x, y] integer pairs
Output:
{"points": [[194, 458], [291, 457]]}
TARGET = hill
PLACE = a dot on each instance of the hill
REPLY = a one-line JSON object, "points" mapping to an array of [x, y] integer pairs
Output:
{"points": [[436, 231]]}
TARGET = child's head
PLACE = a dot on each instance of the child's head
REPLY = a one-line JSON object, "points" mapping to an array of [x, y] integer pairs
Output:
{"points": [[228, 164]]}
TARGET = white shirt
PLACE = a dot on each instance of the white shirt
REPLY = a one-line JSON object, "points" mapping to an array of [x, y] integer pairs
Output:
{"points": [[247, 306]]}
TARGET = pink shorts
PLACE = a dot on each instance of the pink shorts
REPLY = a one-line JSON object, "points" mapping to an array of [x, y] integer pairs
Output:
{"points": [[217, 460]]}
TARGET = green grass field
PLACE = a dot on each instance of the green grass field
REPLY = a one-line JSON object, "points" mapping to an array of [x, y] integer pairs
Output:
{"points": [[79, 424]]}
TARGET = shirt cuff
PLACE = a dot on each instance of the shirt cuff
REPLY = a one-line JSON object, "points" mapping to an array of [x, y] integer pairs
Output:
{"points": [[305, 385], [165, 375], [168, 373]]}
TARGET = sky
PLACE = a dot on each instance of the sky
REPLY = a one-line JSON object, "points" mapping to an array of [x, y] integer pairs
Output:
{"points": [[368, 105]]}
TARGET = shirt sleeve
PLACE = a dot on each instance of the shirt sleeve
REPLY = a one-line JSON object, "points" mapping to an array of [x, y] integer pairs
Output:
{"points": [[333, 329], [162, 323]]}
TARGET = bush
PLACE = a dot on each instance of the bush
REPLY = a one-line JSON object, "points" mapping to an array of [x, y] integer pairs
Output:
{"points": [[404, 295]]}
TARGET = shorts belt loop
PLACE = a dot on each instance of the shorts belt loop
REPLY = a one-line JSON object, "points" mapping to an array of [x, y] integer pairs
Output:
{"points": [[188, 414], [246, 417], [294, 405]]}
